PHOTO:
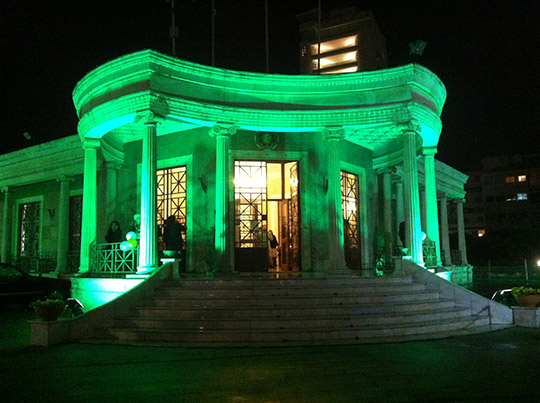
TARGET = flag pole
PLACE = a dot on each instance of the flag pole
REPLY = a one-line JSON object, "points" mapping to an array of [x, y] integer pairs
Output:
{"points": [[266, 36], [213, 35], [319, 41]]}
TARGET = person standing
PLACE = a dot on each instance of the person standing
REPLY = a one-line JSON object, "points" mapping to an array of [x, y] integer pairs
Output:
{"points": [[272, 249], [173, 238], [114, 233]]}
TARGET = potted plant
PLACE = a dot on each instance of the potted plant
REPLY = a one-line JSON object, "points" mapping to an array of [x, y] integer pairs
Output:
{"points": [[527, 296], [49, 309]]}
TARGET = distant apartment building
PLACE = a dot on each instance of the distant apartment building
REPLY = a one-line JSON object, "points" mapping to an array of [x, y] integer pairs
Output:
{"points": [[346, 40], [504, 195]]}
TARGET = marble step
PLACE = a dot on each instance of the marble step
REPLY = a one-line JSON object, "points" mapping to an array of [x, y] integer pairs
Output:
{"points": [[318, 335], [290, 312], [290, 301], [288, 282], [298, 324], [272, 291]]}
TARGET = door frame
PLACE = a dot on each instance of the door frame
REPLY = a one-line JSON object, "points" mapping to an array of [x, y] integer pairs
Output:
{"points": [[301, 157]]}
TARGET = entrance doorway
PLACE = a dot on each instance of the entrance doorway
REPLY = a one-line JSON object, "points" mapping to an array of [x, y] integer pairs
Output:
{"points": [[266, 199]]}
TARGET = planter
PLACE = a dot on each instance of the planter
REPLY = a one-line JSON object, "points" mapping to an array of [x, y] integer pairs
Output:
{"points": [[530, 301], [49, 333], [49, 312], [171, 253]]}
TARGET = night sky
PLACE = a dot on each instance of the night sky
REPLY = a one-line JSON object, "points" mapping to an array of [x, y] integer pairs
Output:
{"points": [[485, 51]]}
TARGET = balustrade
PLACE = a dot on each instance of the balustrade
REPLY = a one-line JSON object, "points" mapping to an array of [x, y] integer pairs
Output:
{"points": [[108, 258]]}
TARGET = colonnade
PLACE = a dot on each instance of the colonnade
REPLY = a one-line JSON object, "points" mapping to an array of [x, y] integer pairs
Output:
{"points": [[412, 204], [407, 206]]}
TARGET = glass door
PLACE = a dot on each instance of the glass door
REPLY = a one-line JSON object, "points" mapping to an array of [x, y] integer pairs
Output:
{"points": [[250, 216], [266, 199]]}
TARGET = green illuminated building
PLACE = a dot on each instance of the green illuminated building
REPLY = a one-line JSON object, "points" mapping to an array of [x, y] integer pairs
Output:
{"points": [[332, 164]]}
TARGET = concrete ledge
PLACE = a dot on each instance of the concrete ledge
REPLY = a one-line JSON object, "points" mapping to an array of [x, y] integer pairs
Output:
{"points": [[526, 317], [84, 326], [499, 314], [49, 333], [94, 292]]}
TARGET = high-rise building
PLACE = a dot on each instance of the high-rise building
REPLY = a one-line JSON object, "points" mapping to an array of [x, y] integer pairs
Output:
{"points": [[344, 40], [504, 195]]}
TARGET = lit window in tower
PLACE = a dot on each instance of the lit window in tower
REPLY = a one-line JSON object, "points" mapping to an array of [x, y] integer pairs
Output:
{"points": [[336, 44], [345, 70], [336, 60]]}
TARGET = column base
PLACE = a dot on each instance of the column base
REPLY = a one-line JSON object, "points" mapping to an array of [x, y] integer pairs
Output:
{"points": [[145, 269]]}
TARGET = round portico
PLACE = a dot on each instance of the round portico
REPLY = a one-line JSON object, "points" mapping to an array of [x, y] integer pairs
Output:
{"points": [[385, 118]]}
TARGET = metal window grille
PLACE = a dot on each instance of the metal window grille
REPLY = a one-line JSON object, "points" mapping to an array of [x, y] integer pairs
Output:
{"points": [[349, 200], [250, 203], [75, 223], [171, 194], [29, 220], [294, 219]]}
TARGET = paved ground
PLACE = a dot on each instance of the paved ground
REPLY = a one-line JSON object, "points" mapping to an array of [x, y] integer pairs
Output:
{"points": [[501, 366]]}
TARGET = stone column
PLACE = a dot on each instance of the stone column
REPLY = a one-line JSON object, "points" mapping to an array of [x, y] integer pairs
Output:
{"points": [[6, 225], [387, 212], [423, 210], [148, 251], [461, 232], [445, 237], [88, 231], [413, 237], [400, 211], [112, 191], [62, 244], [336, 253], [222, 132], [430, 194]]}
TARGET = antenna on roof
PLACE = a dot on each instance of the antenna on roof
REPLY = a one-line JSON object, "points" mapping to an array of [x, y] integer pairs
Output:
{"points": [[214, 12], [319, 39], [266, 36], [173, 31]]}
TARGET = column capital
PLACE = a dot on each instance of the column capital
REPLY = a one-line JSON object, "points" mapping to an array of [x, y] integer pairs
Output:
{"points": [[109, 165], [429, 151], [410, 126], [7, 189], [386, 170], [334, 133], [459, 201], [148, 117], [222, 129], [89, 142], [64, 178]]}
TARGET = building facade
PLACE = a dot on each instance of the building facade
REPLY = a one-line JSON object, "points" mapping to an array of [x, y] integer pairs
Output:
{"points": [[345, 182], [504, 195], [502, 214]]}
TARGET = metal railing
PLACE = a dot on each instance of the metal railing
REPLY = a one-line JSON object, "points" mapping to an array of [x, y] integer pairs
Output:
{"points": [[456, 257], [42, 263], [108, 258]]}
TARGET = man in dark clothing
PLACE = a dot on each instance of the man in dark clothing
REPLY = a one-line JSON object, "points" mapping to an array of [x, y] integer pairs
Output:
{"points": [[173, 240]]}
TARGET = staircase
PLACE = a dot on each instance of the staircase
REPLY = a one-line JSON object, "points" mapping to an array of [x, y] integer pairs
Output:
{"points": [[297, 311]]}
